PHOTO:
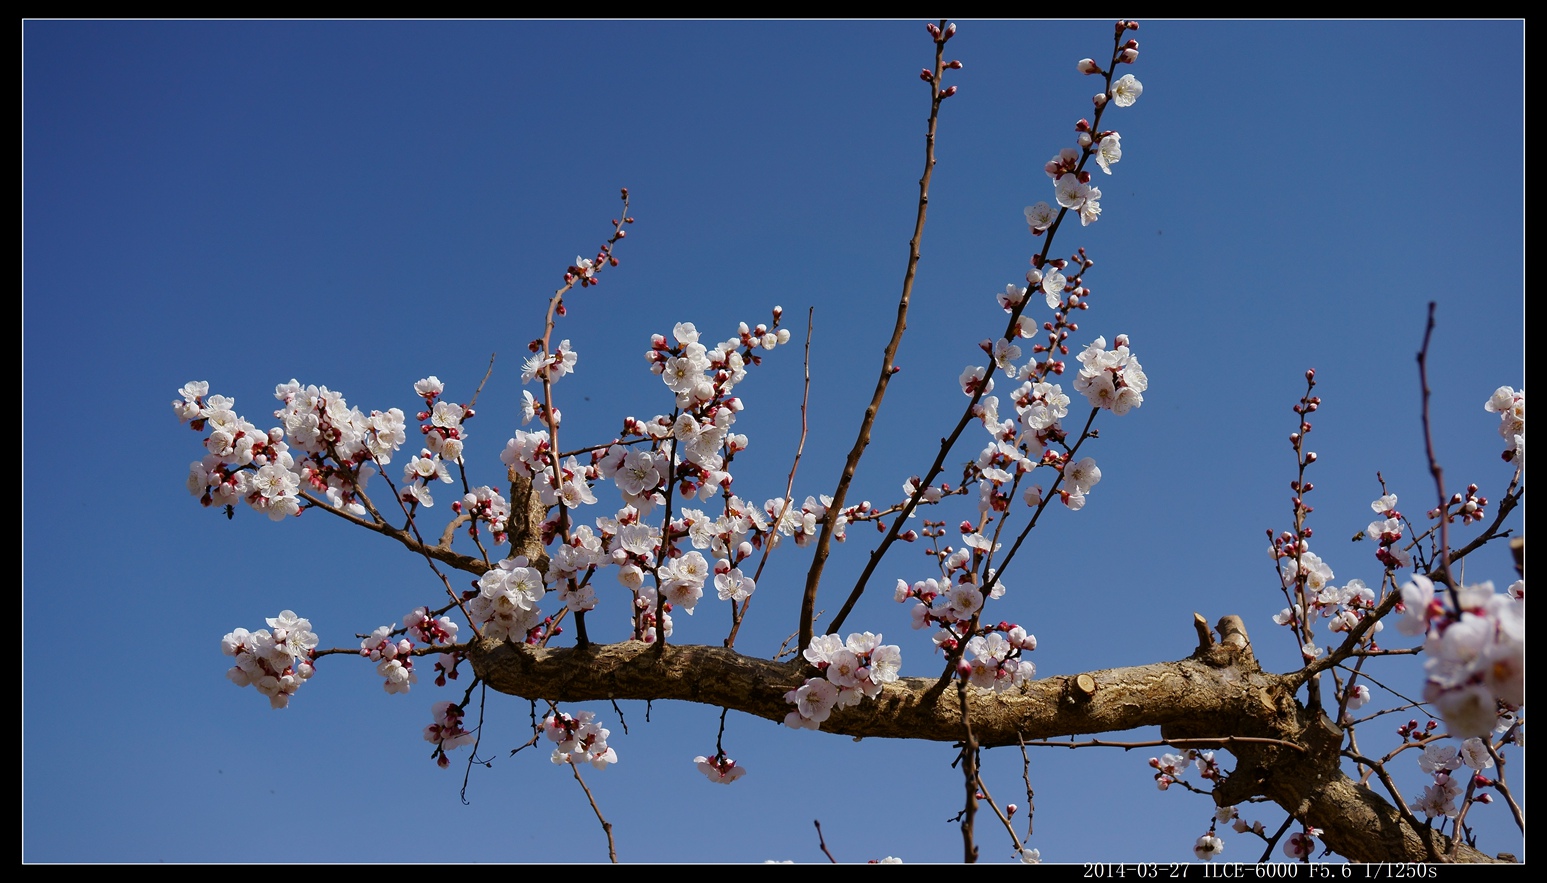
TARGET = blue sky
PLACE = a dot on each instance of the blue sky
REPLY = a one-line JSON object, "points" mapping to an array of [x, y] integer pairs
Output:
{"points": [[359, 205]]}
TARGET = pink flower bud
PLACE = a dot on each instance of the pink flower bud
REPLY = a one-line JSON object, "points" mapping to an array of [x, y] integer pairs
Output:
{"points": [[950, 30], [927, 75], [949, 91], [1088, 66], [1100, 100]]}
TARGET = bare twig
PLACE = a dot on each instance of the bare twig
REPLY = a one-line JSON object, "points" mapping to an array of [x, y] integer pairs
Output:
{"points": [[969, 758], [1211, 742], [612, 850], [821, 842], [1031, 796], [789, 486], [888, 363], [1498, 761]]}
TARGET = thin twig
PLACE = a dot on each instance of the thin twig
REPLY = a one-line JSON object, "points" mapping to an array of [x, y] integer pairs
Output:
{"points": [[969, 757], [888, 358], [612, 850], [822, 843], [948, 442], [1514, 808], [1424, 831], [1434, 464], [472, 757], [1031, 806], [1202, 742], [789, 486]]}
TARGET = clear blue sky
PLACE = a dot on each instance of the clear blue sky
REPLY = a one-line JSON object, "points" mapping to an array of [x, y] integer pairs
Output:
{"points": [[359, 205]]}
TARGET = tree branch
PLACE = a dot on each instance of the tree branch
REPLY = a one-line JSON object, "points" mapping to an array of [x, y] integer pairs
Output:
{"points": [[1220, 690]]}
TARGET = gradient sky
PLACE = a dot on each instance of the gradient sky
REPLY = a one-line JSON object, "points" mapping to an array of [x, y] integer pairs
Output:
{"points": [[359, 205]]}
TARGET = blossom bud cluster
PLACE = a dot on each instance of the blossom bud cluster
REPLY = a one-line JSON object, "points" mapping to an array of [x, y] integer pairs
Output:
{"points": [[1469, 507], [485, 504], [853, 670], [430, 629], [579, 739], [394, 659], [274, 663]]}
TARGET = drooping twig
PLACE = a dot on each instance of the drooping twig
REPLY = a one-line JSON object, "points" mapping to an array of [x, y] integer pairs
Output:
{"points": [[1031, 806], [472, 756]]}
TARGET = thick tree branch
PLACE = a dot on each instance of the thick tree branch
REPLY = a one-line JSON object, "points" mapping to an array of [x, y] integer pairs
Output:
{"points": [[1217, 692]]}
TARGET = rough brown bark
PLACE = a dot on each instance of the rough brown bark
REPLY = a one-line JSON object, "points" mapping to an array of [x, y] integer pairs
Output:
{"points": [[1217, 693]]}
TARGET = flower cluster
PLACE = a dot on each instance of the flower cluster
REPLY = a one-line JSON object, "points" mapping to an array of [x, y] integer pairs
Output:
{"points": [[1111, 379], [274, 663], [950, 603], [542, 365], [1386, 531], [1440, 761], [505, 607], [242, 463], [996, 662], [1300, 845], [719, 768], [579, 739], [1208, 846], [446, 733], [1346, 606], [1511, 408], [855, 669], [1475, 644], [1170, 767]]}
